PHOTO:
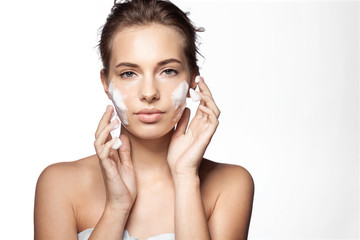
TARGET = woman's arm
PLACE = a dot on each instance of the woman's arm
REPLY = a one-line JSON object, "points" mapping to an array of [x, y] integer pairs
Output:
{"points": [[185, 154], [119, 178], [120, 189], [231, 214], [111, 225], [190, 218]]}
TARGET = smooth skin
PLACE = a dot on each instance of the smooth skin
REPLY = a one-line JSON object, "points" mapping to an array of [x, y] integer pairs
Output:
{"points": [[158, 181]]}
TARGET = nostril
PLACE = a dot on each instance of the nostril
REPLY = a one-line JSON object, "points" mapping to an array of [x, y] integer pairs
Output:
{"points": [[149, 90], [150, 97]]}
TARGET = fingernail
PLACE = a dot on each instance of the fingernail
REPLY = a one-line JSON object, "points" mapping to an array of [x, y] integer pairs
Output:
{"points": [[197, 79], [194, 95], [113, 114], [117, 144], [108, 108]]}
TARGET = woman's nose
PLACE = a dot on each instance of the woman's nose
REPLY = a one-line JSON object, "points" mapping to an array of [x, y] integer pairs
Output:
{"points": [[149, 91]]}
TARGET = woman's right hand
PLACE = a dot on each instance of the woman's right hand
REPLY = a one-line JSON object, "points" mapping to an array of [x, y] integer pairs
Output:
{"points": [[116, 165]]}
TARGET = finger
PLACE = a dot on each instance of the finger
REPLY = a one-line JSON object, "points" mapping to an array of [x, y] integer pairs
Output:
{"points": [[105, 134], [124, 151], [108, 157], [203, 87], [209, 102], [108, 146], [210, 114], [183, 122], [205, 95], [199, 114], [105, 119]]}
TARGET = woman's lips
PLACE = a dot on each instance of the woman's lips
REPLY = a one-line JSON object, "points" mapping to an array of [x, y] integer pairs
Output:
{"points": [[149, 115]]}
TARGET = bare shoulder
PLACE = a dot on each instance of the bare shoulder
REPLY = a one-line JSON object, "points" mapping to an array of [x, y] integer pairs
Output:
{"points": [[66, 174], [227, 192], [55, 195], [225, 176]]}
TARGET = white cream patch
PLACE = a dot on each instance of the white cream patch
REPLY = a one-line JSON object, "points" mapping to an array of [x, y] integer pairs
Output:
{"points": [[118, 100], [178, 98]]}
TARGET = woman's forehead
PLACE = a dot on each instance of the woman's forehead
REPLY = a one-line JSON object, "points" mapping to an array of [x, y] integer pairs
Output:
{"points": [[147, 43]]}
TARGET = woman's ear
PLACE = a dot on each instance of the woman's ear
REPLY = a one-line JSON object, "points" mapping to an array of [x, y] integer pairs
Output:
{"points": [[104, 82], [193, 84]]}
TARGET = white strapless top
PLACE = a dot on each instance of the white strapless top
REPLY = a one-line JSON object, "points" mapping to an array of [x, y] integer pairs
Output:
{"points": [[84, 235]]}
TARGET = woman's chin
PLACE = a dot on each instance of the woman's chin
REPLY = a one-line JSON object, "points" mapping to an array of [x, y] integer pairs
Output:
{"points": [[148, 131]]}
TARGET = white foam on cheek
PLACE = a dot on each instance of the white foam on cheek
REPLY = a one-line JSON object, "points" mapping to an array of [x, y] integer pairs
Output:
{"points": [[118, 101], [178, 96]]}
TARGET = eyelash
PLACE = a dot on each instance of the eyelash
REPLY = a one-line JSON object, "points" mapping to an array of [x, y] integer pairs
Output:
{"points": [[166, 71], [123, 75], [172, 70]]}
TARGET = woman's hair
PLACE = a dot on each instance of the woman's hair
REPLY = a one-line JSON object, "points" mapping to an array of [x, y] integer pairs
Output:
{"points": [[144, 12]]}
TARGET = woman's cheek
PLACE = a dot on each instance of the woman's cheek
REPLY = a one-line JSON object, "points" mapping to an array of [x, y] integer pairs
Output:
{"points": [[178, 98], [118, 100]]}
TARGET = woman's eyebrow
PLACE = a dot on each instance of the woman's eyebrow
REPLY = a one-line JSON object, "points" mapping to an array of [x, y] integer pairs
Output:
{"points": [[170, 60], [127, 64], [161, 63]]}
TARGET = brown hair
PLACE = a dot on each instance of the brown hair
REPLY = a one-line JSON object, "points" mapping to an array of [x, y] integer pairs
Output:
{"points": [[143, 12]]}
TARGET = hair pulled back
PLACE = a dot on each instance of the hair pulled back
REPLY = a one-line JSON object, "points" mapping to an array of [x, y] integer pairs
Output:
{"points": [[144, 12]]}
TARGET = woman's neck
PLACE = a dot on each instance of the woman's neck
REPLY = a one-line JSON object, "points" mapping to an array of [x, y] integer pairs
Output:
{"points": [[149, 156]]}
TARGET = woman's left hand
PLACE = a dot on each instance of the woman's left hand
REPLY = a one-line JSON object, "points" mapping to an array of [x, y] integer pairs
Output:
{"points": [[187, 148]]}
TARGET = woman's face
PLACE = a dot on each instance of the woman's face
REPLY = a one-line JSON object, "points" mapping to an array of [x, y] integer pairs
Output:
{"points": [[148, 79]]}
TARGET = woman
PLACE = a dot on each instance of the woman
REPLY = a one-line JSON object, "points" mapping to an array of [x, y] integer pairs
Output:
{"points": [[152, 182]]}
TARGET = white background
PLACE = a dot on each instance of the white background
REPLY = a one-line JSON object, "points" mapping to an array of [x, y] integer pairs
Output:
{"points": [[285, 75]]}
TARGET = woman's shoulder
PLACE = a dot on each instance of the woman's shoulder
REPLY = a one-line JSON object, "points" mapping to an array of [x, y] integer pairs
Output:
{"points": [[226, 172], [68, 175], [228, 192], [225, 177], [60, 192]]}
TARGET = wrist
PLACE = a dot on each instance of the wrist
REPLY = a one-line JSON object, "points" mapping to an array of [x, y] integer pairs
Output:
{"points": [[116, 209], [186, 179], [114, 219], [184, 173]]}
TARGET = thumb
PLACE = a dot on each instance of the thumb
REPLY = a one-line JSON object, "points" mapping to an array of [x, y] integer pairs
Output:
{"points": [[124, 151]]}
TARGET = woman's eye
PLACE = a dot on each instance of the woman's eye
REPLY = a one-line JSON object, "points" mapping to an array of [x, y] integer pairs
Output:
{"points": [[170, 72], [127, 74]]}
